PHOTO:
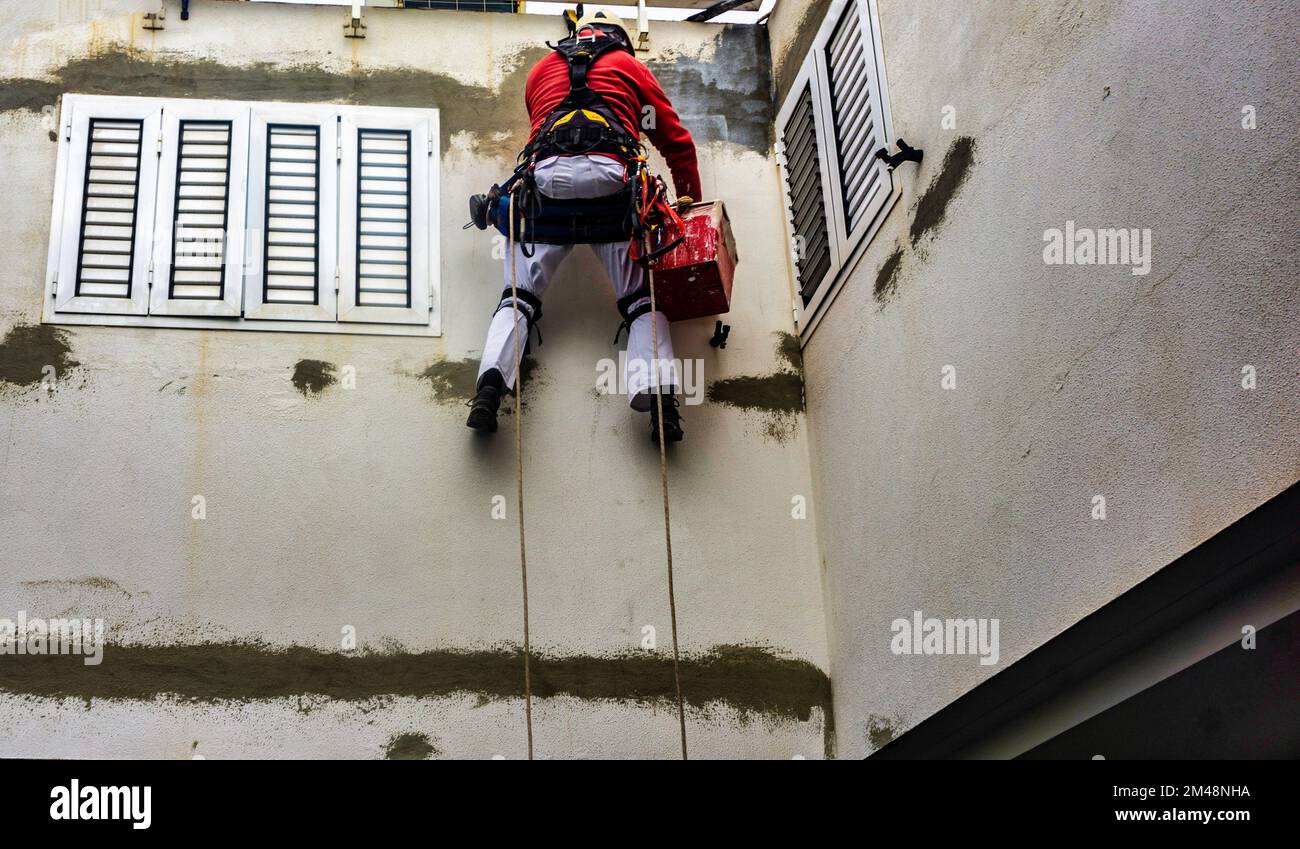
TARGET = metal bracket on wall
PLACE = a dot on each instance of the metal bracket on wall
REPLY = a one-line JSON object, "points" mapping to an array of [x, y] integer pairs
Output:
{"points": [[355, 27], [720, 333], [154, 20], [906, 153]]}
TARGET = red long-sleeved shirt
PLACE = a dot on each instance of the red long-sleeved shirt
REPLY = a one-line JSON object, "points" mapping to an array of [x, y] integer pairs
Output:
{"points": [[628, 87]]}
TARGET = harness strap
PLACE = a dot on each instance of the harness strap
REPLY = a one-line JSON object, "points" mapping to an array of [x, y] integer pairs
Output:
{"points": [[583, 122], [579, 64], [578, 221]]}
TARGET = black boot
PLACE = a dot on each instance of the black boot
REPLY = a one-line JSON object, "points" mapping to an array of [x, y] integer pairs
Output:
{"points": [[672, 420], [483, 409]]}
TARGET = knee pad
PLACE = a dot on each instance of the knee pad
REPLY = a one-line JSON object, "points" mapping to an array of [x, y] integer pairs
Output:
{"points": [[631, 308], [530, 307]]}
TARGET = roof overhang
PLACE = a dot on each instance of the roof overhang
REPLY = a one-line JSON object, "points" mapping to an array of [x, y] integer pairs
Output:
{"points": [[737, 11], [748, 12]]}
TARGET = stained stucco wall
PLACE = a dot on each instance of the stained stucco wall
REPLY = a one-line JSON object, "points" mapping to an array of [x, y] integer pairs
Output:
{"points": [[1071, 382], [791, 29], [329, 506]]}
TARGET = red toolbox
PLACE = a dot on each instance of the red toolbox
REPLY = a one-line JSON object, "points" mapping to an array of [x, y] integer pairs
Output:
{"points": [[694, 279]]}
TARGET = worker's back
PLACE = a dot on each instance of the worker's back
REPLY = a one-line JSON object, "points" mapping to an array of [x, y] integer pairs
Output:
{"points": [[628, 87]]}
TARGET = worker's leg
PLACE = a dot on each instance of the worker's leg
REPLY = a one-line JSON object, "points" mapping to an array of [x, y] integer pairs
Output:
{"points": [[515, 313], [564, 177], [647, 369], [532, 276]]}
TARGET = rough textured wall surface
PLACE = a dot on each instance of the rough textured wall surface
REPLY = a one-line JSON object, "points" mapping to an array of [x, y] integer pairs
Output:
{"points": [[1071, 381], [791, 29], [331, 505]]}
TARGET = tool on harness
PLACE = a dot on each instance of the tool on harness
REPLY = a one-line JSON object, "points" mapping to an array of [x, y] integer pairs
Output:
{"points": [[483, 208], [480, 207], [491, 209]]}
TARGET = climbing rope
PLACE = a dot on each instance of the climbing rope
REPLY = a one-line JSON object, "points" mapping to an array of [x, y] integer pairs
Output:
{"points": [[668, 532], [519, 470]]}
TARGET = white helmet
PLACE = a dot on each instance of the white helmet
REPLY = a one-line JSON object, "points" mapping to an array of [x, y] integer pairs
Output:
{"points": [[601, 17]]}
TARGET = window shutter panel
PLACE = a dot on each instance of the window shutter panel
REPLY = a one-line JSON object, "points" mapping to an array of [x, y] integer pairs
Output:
{"points": [[111, 180], [291, 219], [863, 181], [293, 210], [387, 216], [203, 171], [805, 193], [201, 212], [383, 215]]}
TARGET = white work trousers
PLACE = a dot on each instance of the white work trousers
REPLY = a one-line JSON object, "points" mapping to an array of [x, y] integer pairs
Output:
{"points": [[582, 177]]}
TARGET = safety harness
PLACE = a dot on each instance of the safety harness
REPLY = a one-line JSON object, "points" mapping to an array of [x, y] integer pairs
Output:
{"points": [[583, 122], [579, 221]]}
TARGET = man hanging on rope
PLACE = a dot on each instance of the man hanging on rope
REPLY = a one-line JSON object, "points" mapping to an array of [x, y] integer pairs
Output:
{"points": [[587, 102]]}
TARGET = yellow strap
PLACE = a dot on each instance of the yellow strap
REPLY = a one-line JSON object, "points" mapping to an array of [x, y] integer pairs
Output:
{"points": [[595, 117]]}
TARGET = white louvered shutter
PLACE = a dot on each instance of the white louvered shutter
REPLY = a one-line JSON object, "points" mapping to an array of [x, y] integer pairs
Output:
{"points": [[110, 183], [231, 214], [293, 214], [828, 129], [203, 171], [388, 216], [861, 181], [801, 158]]}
